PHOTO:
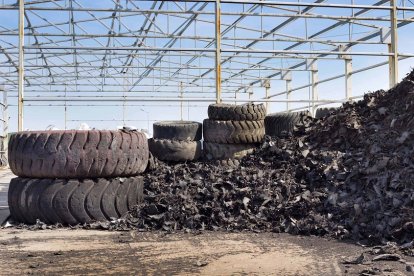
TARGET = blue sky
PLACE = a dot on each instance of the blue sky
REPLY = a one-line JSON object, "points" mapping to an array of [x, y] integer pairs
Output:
{"points": [[39, 115]]}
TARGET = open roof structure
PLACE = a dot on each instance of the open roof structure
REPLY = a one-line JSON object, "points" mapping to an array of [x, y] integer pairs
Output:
{"points": [[124, 52]]}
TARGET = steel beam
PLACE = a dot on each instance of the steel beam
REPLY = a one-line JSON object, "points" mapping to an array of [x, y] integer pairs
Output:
{"points": [[218, 51], [21, 67], [348, 78], [393, 47]]}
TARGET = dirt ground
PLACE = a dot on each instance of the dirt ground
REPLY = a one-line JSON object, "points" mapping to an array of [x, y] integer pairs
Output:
{"points": [[66, 251]]}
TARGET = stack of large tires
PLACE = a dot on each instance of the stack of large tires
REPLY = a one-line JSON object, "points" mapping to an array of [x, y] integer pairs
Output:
{"points": [[176, 141], [232, 131], [75, 176], [283, 123]]}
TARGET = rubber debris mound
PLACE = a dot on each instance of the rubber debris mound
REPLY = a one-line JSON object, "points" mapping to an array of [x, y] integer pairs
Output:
{"points": [[348, 175]]}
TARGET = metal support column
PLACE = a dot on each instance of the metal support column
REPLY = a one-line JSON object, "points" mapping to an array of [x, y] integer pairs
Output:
{"points": [[288, 91], [393, 47], [348, 78], [181, 101], [266, 85], [20, 103], [314, 81], [348, 72], [5, 122], [218, 51], [287, 76]]}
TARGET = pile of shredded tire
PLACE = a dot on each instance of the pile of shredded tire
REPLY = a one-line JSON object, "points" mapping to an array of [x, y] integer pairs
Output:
{"points": [[348, 175]]}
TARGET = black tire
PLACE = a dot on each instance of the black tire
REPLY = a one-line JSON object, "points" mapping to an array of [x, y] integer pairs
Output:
{"points": [[228, 112], [172, 150], [233, 132], [78, 153], [279, 124], [214, 151], [178, 130], [73, 201], [324, 111]]}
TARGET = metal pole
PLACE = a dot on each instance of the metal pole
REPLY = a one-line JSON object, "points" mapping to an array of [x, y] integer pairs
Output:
{"points": [[20, 103], [393, 47], [5, 123], [266, 84], [315, 95], [267, 95], [181, 101], [218, 51], [289, 90], [348, 78]]}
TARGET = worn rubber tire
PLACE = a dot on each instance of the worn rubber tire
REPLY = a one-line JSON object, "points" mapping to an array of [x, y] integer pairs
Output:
{"points": [[324, 111], [228, 112], [73, 201], [277, 124], [214, 151], [233, 132], [78, 153], [178, 130], [173, 150]]}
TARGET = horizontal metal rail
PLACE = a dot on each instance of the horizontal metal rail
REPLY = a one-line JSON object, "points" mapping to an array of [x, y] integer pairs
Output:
{"points": [[175, 99]]}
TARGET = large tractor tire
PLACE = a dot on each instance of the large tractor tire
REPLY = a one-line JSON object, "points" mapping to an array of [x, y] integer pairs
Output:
{"points": [[228, 112], [73, 201], [178, 130], [78, 153], [173, 150], [233, 132]]}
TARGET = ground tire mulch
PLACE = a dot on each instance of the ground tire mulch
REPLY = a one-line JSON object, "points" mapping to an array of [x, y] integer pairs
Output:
{"points": [[78, 153], [227, 151]]}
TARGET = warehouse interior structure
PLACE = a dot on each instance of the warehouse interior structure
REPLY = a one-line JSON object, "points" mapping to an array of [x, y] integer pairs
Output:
{"points": [[141, 61]]}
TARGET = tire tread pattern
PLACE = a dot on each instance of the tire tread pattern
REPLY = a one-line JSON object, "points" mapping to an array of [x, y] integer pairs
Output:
{"points": [[78, 154], [233, 132], [228, 112], [73, 201]]}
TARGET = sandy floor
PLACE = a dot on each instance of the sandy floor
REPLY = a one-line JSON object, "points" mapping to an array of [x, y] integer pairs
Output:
{"points": [[83, 252]]}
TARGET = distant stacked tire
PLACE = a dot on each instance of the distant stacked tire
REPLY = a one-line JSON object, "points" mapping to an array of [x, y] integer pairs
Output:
{"points": [[283, 123], [324, 111], [76, 176], [176, 141], [232, 131]]}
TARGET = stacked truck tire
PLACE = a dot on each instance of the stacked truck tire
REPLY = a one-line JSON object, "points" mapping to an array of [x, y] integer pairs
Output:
{"points": [[176, 141], [232, 131], [76, 176]]}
